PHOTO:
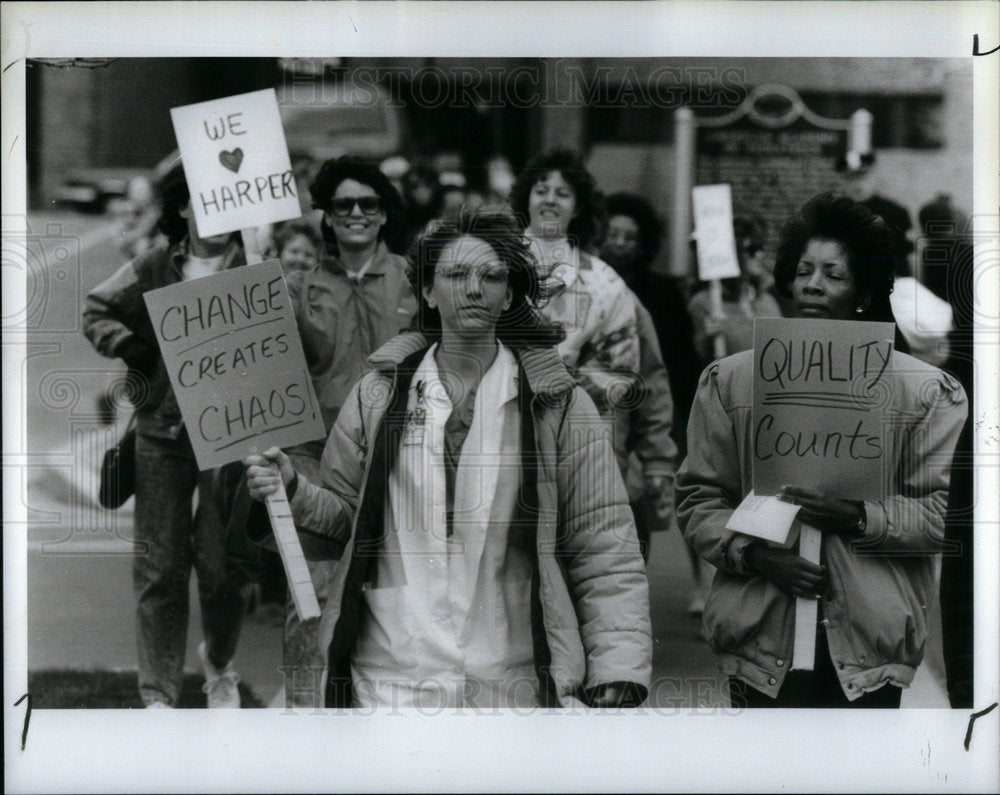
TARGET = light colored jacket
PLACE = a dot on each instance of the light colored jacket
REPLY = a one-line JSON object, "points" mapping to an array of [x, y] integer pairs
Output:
{"points": [[590, 587], [880, 587]]}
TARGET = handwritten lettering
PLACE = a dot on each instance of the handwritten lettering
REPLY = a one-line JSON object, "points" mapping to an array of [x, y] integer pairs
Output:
{"points": [[785, 362], [256, 300], [216, 365], [243, 193], [243, 416], [975, 46], [233, 123], [769, 442]]}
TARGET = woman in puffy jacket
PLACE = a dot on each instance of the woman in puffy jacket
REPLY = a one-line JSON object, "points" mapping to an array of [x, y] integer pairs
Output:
{"points": [[486, 552], [875, 579]]}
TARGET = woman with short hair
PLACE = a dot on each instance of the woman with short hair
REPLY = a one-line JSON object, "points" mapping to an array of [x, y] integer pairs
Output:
{"points": [[611, 346], [346, 305], [875, 578], [486, 555]]}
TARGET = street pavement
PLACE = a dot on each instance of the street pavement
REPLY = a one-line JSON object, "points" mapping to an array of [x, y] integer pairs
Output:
{"points": [[81, 607]]}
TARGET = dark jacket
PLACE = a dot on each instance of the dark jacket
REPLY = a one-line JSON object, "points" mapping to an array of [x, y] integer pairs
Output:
{"points": [[116, 322], [665, 303]]}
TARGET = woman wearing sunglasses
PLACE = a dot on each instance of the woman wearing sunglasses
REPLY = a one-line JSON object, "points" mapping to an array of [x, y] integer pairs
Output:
{"points": [[347, 305], [486, 556]]}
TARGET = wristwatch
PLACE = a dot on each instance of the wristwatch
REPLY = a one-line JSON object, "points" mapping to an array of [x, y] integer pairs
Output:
{"points": [[862, 525]]}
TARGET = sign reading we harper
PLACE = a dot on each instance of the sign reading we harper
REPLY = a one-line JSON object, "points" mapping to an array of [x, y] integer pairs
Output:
{"points": [[236, 162], [235, 361], [821, 388]]}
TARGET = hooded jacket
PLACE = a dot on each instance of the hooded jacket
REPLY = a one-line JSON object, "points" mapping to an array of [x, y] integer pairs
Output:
{"points": [[116, 322], [590, 601], [881, 586]]}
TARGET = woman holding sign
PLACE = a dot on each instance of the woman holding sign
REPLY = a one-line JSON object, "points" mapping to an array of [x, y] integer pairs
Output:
{"points": [[171, 541], [486, 552], [875, 578], [347, 305]]}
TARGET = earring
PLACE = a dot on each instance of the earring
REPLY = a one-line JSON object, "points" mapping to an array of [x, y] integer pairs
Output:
{"points": [[859, 309]]}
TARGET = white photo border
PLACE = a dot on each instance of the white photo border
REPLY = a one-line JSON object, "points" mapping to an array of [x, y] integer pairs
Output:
{"points": [[261, 750]]}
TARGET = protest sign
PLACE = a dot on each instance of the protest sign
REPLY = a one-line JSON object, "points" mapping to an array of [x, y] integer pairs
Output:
{"points": [[713, 228], [236, 162], [820, 390], [234, 357]]}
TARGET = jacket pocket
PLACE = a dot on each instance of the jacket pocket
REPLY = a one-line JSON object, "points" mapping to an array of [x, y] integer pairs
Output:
{"points": [[740, 613]]}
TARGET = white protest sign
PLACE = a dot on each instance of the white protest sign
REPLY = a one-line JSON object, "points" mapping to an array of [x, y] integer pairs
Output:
{"points": [[236, 162], [713, 229], [233, 353]]}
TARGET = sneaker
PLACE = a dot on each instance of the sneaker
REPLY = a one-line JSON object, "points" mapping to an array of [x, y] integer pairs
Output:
{"points": [[158, 705], [220, 685]]}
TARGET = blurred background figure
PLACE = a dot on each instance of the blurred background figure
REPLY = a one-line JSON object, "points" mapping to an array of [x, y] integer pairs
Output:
{"points": [[139, 213], [859, 181], [499, 180], [944, 241], [395, 169], [298, 246], [419, 187], [744, 298], [449, 194], [630, 244]]}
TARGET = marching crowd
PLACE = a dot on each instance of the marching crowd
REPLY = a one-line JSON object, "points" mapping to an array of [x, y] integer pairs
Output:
{"points": [[515, 402]]}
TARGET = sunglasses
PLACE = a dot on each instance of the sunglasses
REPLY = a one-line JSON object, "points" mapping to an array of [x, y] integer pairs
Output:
{"points": [[369, 205]]}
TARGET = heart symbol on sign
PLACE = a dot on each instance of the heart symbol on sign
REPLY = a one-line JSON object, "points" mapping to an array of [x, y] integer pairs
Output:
{"points": [[232, 160]]}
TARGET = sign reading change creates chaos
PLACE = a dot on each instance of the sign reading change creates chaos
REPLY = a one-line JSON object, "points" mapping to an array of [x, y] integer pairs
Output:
{"points": [[820, 391], [236, 162], [235, 362]]}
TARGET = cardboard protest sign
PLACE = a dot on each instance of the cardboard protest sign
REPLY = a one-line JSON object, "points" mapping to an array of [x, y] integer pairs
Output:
{"points": [[236, 162], [235, 361], [820, 390], [713, 228]]}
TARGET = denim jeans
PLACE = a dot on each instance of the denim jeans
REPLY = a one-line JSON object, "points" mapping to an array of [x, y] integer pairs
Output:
{"points": [[172, 539], [303, 661]]}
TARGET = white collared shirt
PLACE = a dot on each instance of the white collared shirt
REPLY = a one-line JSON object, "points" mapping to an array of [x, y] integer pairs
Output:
{"points": [[447, 620]]}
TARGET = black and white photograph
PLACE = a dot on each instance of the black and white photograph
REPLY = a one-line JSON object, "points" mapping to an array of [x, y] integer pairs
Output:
{"points": [[481, 405]]}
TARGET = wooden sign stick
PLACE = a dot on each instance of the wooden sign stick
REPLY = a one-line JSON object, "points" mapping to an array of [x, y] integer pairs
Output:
{"points": [[715, 293], [280, 512], [806, 610]]}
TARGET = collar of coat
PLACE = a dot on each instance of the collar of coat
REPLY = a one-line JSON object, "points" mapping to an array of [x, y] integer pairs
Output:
{"points": [[542, 367], [378, 267], [232, 256]]}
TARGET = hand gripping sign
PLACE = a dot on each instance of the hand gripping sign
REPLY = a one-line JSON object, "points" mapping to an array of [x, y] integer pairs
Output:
{"points": [[230, 341], [820, 390]]}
